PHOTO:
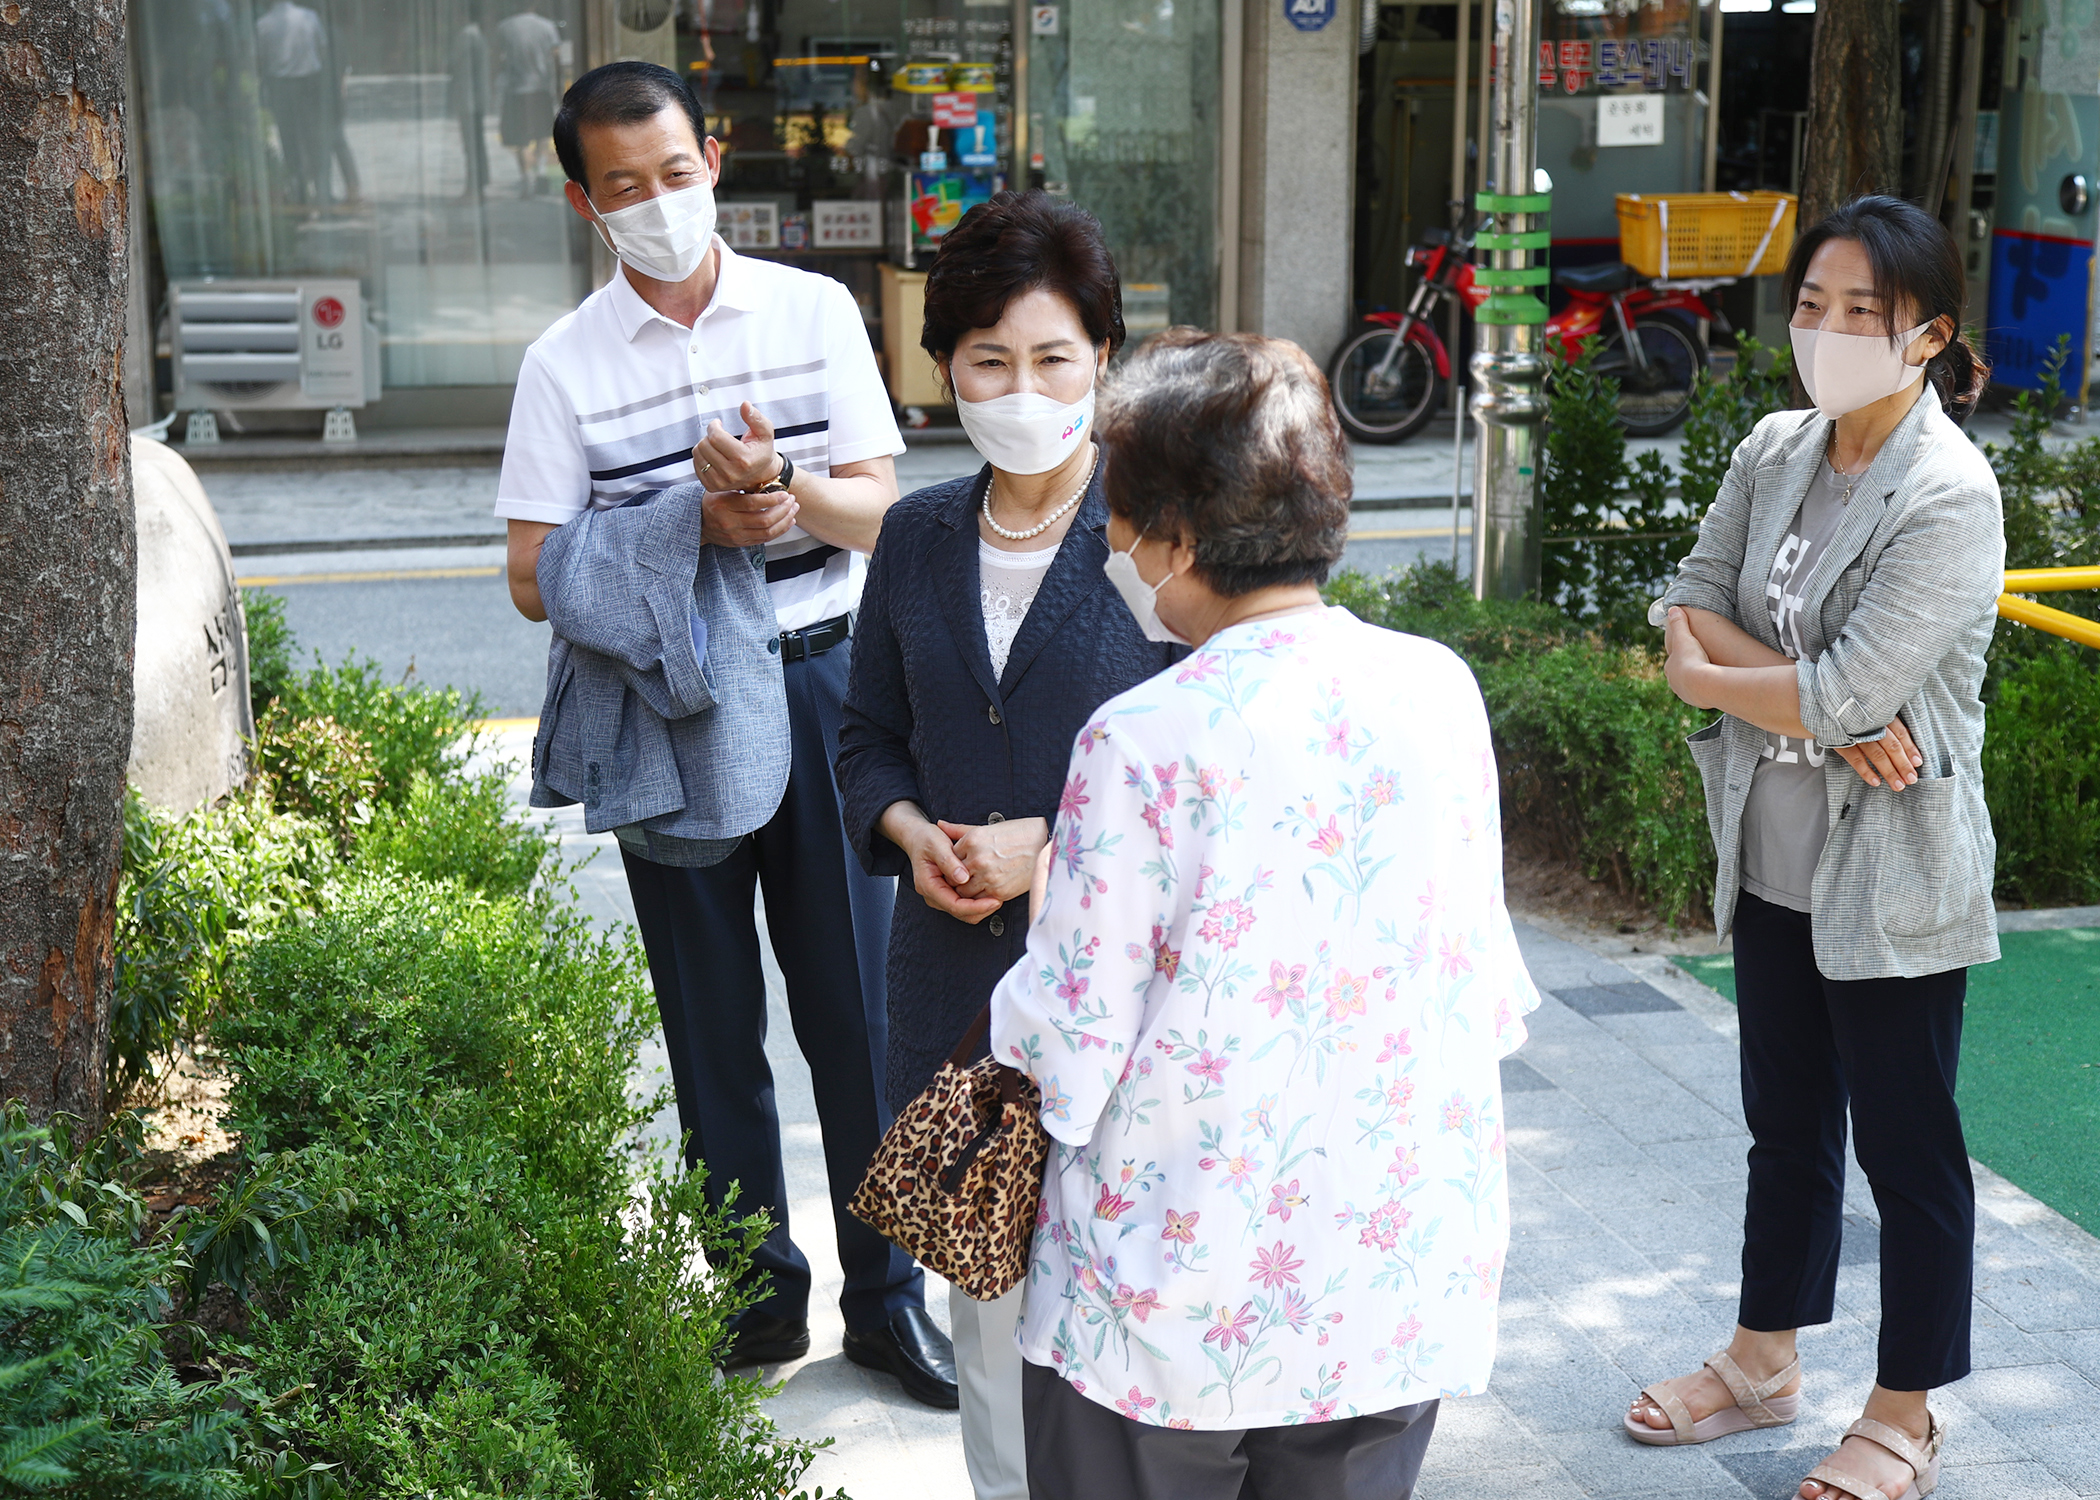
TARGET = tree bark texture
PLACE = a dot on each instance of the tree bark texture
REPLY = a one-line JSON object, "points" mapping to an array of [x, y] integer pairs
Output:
{"points": [[67, 564], [1855, 121]]}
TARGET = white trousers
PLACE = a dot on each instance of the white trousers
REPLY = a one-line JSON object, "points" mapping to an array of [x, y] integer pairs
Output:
{"points": [[988, 1370]]}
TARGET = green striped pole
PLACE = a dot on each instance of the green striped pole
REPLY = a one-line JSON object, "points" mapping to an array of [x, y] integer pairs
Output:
{"points": [[1508, 366]]}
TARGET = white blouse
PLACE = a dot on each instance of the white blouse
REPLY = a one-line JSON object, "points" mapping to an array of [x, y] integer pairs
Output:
{"points": [[1006, 584], [1265, 1003]]}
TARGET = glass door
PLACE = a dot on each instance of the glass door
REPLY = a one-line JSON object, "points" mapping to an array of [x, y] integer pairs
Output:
{"points": [[1124, 105], [404, 144]]}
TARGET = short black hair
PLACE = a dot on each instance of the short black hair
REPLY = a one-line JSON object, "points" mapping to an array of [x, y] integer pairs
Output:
{"points": [[620, 93], [1229, 440], [1005, 248]]}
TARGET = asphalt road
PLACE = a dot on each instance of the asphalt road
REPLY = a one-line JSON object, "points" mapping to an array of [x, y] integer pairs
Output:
{"points": [[460, 632], [463, 631], [443, 612]]}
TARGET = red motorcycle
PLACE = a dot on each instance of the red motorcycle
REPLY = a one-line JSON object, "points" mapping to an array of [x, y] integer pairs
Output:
{"points": [[1390, 377]]}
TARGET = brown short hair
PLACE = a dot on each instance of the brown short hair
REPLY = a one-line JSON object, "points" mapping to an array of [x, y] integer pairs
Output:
{"points": [[1230, 440], [1005, 248]]}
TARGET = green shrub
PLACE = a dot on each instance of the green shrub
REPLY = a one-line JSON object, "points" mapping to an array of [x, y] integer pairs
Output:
{"points": [[89, 1406], [1431, 600], [406, 727], [269, 647], [2041, 777], [317, 768], [1609, 541], [460, 830], [1723, 412], [193, 889], [1591, 744], [452, 1071]]}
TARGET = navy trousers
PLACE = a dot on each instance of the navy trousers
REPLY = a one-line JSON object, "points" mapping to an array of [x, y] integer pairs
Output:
{"points": [[830, 928], [1888, 1048]]}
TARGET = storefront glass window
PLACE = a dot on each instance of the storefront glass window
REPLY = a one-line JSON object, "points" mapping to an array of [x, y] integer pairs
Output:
{"points": [[856, 132], [1125, 99], [1621, 109], [405, 145]]}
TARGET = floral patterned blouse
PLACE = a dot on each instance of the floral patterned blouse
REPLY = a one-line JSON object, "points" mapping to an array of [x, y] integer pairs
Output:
{"points": [[1265, 1003]]}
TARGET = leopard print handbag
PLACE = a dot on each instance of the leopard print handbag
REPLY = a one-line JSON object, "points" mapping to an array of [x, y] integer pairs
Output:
{"points": [[958, 1179]]}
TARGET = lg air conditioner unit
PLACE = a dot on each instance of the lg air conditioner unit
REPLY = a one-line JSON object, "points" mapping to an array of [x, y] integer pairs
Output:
{"points": [[272, 346]]}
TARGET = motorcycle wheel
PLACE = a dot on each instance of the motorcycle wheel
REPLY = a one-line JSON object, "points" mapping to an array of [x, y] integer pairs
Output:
{"points": [[1388, 408], [1652, 403]]}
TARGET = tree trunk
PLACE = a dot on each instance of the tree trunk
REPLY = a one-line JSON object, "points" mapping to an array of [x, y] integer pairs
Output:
{"points": [[67, 566], [1855, 122]]}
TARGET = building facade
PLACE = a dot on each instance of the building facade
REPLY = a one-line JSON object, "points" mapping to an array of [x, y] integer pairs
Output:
{"points": [[396, 153]]}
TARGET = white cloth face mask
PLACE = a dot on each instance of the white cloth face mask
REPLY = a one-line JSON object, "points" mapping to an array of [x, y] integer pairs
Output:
{"points": [[1142, 598], [1026, 433], [666, 237], [1844, 371]]}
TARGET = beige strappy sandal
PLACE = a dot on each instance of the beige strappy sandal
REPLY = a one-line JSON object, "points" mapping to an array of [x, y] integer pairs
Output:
{"points": [[1924, 1462], [1755, 1406]]}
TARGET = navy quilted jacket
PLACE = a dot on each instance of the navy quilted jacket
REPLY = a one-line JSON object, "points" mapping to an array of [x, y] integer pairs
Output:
{"points": [[926, 722]]}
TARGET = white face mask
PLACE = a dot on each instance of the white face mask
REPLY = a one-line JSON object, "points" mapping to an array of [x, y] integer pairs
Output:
{"points": [[1141, 597], [1026, 433], [1844, 371], [667, 236]]}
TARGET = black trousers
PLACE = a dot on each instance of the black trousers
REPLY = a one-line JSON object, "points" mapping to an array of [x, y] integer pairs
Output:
{"points": [[830, 928], [1889, 1049], [1080, 1451]]}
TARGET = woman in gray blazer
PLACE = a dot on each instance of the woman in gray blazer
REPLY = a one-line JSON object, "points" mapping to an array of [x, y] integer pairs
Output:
{"points": [[1836, 610]]}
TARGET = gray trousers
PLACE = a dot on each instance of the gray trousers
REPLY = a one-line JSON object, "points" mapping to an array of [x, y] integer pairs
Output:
{"points": [[988, 1369], [1080, 1451]]}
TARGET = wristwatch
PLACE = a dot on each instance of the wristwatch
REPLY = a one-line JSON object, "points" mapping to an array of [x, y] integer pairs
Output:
{"points": [[779, 481]]}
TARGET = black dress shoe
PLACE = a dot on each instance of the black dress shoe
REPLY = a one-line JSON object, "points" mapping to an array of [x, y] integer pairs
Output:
{"points": [[914, 1350], [763, 1340]]}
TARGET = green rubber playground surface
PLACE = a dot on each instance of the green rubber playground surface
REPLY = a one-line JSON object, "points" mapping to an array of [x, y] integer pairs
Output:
{"points": [[2030, 1064]]}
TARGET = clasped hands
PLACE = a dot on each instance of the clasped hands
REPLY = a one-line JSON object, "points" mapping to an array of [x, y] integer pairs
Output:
{"points": [[968, 870], [729, 466], [1690, 669]]}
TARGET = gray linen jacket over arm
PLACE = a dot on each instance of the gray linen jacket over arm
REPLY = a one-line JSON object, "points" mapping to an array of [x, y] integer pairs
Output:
{"points": [[636, 725], [1897, 613]]}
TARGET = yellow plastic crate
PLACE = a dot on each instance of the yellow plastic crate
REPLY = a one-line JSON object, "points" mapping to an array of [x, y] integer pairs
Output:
{"points": [[1681, 235]]}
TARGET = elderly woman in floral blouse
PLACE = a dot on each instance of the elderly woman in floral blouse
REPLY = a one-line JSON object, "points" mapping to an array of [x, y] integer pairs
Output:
{"points": [[1267, 986]]}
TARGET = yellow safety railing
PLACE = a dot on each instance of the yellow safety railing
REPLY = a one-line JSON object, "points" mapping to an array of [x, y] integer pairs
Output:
{"points": [[2041, 616]]}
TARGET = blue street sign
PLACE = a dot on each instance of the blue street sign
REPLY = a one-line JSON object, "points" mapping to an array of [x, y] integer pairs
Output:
{"points": [[1309, 15]]}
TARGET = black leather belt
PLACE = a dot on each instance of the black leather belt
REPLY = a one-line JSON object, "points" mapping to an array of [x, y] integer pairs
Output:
{"points": [[814, 640]]}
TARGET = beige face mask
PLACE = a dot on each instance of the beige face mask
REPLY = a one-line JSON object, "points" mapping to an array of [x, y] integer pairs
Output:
{"points": [[1844, 371]]}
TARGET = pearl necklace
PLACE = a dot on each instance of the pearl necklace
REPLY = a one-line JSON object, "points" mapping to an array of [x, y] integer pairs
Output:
{"points": [[1048, 521]]}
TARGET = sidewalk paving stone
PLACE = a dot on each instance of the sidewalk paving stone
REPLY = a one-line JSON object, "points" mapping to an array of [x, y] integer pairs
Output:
{"points": [[1623, 1268]]}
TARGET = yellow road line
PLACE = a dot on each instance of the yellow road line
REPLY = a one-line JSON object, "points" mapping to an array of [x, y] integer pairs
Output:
{"points": [[531, 723], [1410, 535], [377, 575]]}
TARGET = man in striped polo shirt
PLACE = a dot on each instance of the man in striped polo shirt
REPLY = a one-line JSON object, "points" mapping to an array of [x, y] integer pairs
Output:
{"points": [[759, 380]]}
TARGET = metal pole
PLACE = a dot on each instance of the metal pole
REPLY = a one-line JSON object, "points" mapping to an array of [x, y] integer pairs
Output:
{"points": [[1017, 142], [1457, 213], [1713, 92], [1508, 370]]}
